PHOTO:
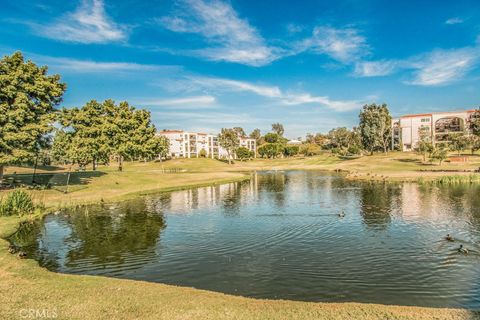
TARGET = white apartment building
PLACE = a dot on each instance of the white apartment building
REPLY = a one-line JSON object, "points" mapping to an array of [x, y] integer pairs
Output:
{"points": [[185, 144], [406, 129]]}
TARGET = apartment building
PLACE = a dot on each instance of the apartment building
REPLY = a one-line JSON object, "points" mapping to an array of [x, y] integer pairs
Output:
{"points": [[185, 144], [406, 129]]}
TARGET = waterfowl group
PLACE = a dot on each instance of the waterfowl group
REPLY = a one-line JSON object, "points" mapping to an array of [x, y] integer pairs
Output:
{"points": [[12, 249]]}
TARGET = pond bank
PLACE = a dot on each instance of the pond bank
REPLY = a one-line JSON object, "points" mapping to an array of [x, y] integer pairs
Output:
{"points": [[26, 286]]}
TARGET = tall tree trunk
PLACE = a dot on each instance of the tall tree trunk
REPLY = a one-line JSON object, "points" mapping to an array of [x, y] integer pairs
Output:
{"points": [[229, 159], [94, 165], [1, 173], [120, 163]]}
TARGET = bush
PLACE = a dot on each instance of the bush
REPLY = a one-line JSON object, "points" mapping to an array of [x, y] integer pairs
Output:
{"points": [[309, 149], [16, 203], [289, 151], [244, 153], [270, 150], [354, 149], [203, 153]]}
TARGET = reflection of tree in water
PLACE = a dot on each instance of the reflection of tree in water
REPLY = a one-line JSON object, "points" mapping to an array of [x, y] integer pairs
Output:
{"points": [[107, 234], [27, 239], [464, 199], [274, 184], [377, 203], [231, 197]]}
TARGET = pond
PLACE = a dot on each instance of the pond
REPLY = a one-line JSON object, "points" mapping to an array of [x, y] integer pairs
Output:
{"points": [[279, 235]]}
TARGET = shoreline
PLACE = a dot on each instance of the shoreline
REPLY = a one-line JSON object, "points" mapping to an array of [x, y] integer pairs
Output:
{"points": [[47, 289]]}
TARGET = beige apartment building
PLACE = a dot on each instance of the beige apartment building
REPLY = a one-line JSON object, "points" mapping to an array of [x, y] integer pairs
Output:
{"points": [[185, 144], [406, 129]]}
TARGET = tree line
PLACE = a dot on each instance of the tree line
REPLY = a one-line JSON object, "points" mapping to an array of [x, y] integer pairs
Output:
{"points": [[31, 126]]}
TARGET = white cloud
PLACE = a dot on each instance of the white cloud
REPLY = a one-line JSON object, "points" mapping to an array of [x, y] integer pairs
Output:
{"points": [[233, 39], [89, 66], [344, 45], [88, 24], [454, 20], [375, 68], [184, 103], [234, 85], [435, 68], [444, 66], [220, 118], [273, 92]]}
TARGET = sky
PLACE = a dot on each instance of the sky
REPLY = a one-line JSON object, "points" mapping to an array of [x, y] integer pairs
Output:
{"points": [[202, 65]]}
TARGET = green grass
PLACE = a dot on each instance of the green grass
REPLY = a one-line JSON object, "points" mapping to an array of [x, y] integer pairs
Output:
{"points": [[25, 285]]}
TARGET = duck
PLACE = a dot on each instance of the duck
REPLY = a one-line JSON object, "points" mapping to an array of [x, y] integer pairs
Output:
{"points": [[12, 249], [462, 249], [449, 238], [342, 214], [22, 254]]}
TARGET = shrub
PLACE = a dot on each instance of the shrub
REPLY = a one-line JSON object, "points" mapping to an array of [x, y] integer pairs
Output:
{"points": [[244, 153], [289, 151], [203, 153], [354, 150], [309, 149], [16, 203], [270, 150]]}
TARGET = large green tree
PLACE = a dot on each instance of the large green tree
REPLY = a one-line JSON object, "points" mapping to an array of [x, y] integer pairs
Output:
{"points": [[228, 140], [28, 97], [375, 127], [85, 126]]}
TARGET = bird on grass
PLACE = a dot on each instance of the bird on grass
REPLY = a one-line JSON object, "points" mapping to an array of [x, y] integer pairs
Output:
{"points": [[22, 254]]}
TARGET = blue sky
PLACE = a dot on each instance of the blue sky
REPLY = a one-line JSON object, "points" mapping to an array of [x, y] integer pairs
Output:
{"points": [[202, 65]]}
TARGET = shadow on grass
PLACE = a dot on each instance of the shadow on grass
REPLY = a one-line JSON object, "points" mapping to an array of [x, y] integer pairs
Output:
{"points": [[57, 180], [45, 168]]}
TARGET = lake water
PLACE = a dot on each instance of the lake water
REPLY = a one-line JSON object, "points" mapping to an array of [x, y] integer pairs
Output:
{"points": [[279, 236]]}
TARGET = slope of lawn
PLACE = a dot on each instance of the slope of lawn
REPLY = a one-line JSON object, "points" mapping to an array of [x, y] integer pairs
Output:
{"points": [[26, 286]]}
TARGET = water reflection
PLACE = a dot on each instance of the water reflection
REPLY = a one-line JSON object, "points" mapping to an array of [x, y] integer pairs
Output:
{"points": [[279, 235]]}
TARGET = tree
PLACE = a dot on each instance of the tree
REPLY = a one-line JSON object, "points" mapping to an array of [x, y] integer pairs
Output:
{"points": [[475, 122], [439, 153], [244, 153], [278, 129], [457, 142], [270, 150], [228, 140], [240, 131], [375, 127], [158, 146], [257, 135], [61, 146], [272, 137], [28, 97], [87, 142], [318, 139], [424, 145], [474, 143]]}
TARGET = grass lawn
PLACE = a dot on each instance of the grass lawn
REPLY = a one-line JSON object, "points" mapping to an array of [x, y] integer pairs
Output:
{"points": [[26, 286]]}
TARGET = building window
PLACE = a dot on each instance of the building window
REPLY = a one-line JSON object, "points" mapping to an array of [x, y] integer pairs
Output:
{"points": [[425, 120]]}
